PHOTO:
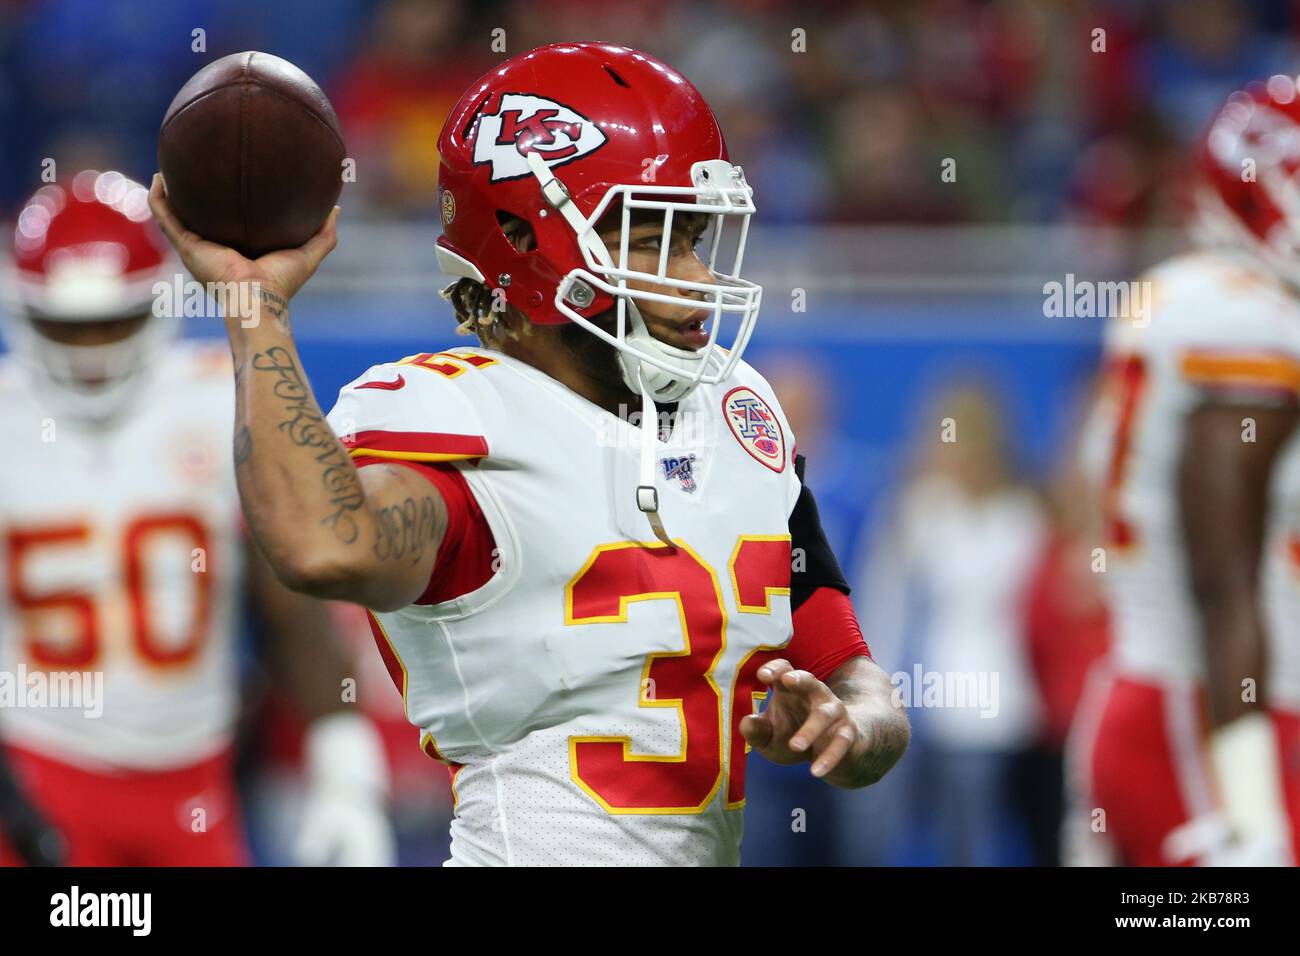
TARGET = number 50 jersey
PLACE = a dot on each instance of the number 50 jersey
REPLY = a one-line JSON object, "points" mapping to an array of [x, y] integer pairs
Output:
{"points": [[122, 559], [588, 696]]}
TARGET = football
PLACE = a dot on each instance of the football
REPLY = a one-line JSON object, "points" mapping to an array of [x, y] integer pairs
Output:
{"points": [[251, 154]]}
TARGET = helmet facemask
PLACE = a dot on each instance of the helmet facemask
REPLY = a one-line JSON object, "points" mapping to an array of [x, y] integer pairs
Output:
{"points": [[1214, 225], [668, 373], [90, 384]]}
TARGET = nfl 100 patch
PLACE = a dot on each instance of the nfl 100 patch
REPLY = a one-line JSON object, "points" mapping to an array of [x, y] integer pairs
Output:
{"points": [[681, 467]]}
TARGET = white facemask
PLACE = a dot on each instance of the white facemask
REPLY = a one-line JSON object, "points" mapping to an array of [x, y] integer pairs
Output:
{"points": [[90, 385], [719, 191]]}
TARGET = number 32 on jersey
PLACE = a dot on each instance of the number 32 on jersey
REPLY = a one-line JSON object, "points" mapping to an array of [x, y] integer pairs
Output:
{"points": [[615, 576]]}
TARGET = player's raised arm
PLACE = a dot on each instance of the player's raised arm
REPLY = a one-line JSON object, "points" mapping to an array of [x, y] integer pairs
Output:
{"points": [[326, 529]]}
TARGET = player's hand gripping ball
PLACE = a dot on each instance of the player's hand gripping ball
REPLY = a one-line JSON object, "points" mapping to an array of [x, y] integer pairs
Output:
{"points": [[252, 155]]}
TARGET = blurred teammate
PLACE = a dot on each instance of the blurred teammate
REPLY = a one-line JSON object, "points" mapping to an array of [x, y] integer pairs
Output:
{"points": [[1192, 747], [124, 559], [582, 613]]}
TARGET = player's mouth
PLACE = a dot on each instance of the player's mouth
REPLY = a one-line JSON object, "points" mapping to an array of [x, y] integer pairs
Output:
{"points": [[689, 333]]}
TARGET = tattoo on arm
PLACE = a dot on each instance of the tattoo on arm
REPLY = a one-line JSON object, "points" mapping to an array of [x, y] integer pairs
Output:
{"points": [[405, 530], [243, 445], [243, 434], [307, 428], [886, 735], [277, 306]]}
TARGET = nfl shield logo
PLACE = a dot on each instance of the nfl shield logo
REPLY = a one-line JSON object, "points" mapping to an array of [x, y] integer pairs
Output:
{"points": [[683, 469]]}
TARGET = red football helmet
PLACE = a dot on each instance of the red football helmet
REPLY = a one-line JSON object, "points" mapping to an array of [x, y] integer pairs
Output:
{"points": [[88, 253], [1248, 196], [559, 136]]}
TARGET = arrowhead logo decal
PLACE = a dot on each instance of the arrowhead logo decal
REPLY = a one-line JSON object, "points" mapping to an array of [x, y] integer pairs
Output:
{"points": [[523, 124]]}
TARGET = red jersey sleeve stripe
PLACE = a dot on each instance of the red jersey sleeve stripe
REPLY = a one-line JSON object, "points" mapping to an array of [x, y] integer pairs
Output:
{"points": [[467, 557], [416, 446]]}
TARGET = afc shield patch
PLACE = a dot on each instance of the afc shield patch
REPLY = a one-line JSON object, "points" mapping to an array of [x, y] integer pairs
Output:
{"points": [[755, 426], [523, 124]]}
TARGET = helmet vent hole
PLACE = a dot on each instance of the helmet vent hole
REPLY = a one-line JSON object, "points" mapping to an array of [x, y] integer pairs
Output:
{"points": [[518, 231], [617, 79]]}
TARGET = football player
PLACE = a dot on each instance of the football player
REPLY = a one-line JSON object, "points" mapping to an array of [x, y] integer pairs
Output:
{"points": [[1191, 747], [125, 561], [582, 603]]}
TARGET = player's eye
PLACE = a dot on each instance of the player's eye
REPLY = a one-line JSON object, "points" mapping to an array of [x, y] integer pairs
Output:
{"points": [[681, 242]]}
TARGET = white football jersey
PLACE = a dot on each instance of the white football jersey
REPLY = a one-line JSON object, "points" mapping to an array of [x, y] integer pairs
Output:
{"points": [[120, 553], [588, 695], [1217, 325]]}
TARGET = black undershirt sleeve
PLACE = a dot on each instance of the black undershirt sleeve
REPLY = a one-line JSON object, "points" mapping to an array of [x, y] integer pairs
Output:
{"points": [[813, 563]]}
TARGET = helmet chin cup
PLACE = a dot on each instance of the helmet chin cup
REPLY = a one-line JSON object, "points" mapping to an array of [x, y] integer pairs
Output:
{"points": [[664, 384]]}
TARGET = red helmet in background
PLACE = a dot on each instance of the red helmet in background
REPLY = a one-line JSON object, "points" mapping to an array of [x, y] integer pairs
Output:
{"points": [[1248, 196], [557, 137], [87, 253]]}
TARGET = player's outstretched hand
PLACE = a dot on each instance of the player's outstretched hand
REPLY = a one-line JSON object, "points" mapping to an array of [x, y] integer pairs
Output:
{"points": [[804, 720], [281, 273]]}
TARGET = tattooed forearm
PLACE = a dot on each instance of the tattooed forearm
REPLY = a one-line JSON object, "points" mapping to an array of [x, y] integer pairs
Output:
{"points": [[881, 722], [307, 428], [276, 305], [320, 522], [405, 530]]}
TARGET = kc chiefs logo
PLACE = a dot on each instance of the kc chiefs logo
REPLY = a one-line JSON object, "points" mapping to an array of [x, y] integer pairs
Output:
{"points": [[523, 124]]}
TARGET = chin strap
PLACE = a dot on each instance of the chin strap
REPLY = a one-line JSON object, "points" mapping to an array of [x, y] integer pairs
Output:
{"points": [[555, 193], [647, 495]]}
